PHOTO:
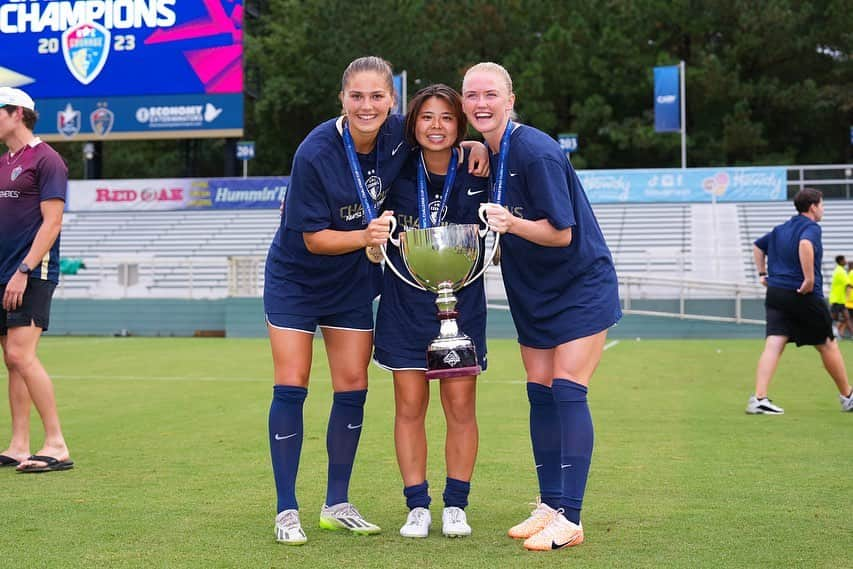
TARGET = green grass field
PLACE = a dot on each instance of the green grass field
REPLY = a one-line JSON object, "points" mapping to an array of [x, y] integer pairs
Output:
{"points": [[170, 441]]}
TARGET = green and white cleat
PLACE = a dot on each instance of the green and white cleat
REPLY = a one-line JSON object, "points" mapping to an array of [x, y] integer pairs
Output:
{"points": [[345, 516], [288, 529]]}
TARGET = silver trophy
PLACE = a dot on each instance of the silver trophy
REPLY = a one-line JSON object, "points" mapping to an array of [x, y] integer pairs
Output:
{"points": [[443, 260]]}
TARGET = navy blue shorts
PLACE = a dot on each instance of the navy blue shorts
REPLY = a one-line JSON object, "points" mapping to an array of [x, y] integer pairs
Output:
{"points": [[35, 308], [358, 319]]}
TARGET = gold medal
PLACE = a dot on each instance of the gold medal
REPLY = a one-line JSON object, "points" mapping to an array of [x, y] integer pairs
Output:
{"points": [[374, 254]]}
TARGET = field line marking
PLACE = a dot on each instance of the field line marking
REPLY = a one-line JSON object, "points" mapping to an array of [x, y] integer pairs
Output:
{"points": [[609, 345]]}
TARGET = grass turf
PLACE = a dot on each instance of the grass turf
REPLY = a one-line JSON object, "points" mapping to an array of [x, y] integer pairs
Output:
{"points": [[172, 464]]}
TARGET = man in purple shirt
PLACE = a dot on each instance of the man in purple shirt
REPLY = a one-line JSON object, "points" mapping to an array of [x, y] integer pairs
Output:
{"points": [[788, 260], [33, 182]]}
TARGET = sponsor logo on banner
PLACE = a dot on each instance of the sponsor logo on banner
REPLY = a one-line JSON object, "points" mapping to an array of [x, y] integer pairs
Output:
{"points": [[100, 195], [102, 120], [68, 121], [86, 48], [247, 193], [177, 116]]}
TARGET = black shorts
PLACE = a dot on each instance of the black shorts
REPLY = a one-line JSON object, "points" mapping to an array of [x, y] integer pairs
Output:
{"points": [[34, 310], [803, 318], [839, 312]]}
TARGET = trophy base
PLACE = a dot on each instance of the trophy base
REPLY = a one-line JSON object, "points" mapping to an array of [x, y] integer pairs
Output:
{"points": [[452, 357]]}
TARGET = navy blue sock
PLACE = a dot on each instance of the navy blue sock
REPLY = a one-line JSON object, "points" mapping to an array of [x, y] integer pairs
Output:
{"points": [[342, 442], [456, 493], [285, 425], [545, 437], [577, 439], [417, 496]]}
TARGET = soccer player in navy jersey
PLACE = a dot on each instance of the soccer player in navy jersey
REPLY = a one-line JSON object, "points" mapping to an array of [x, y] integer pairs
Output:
{"points": [[788, 260], [563, 296], [319, 273], [406, 322], [33, 183]]}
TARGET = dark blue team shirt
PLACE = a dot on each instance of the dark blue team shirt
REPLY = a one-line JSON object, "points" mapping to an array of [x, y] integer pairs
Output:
{"points": [[541, 282], [782, 247], [34, 174], [407, 316], [323, 195]]}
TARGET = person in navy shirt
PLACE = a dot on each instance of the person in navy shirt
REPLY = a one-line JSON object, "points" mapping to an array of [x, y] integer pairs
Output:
{"points": [[563, 296], [406, 322], [788, 260], [318, 274], [33, 183]]}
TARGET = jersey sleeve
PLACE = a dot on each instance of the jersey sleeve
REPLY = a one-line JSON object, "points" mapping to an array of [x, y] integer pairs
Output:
{"points": [[813, 234], [306, 207], [52, 178], [550, 194], [763, 242]]}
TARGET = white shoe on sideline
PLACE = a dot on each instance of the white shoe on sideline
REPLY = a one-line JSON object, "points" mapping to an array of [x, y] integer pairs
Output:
{"points": [[846, 403], [454, 522], [763, 406], [288, 529], [417, 523]]}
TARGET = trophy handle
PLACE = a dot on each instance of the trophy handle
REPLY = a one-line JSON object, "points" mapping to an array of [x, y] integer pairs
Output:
{"points": [[396, 242], [482, 213]]}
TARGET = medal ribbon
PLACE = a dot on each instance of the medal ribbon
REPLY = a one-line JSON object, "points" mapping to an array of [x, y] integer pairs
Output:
{"points": [[367, 202], [425, 220], [500, 179]]}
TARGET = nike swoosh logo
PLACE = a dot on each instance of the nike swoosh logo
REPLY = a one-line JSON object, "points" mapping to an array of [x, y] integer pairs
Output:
{"points": [[393, 152], [470, 193], [565, 466], [555, 545], [538, 466], [279, 438], [352, 427], [513, 173]]}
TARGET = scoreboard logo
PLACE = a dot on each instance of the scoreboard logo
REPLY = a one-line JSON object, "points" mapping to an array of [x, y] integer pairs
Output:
{"points": [[68, 121], [86, 48], [102, 120]]}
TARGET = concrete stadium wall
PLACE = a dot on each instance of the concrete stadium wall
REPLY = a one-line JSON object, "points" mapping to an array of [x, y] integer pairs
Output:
{"points": [[244, 318]]}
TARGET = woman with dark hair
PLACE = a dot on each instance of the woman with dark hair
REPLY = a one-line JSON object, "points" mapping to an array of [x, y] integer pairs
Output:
{"points": [[433, 189]]}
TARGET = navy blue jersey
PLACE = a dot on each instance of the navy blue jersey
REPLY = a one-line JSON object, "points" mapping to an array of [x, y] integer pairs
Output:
{"points": [[572, 288], [34, 174], [323, 195], [406, 321], [782, 247]]}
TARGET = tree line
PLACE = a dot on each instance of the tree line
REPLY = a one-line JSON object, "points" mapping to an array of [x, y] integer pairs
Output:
{"points": [[768, 82]]}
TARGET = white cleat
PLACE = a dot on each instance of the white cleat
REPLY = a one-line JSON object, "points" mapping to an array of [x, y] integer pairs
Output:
{"points": [[417, 523], [846, 403], [288, 529], [763, 406], [558, 534], [454, 522], [345, 516]]}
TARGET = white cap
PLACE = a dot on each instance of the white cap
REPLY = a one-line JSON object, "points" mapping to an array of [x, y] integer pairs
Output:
{"points": [[16, 97]]}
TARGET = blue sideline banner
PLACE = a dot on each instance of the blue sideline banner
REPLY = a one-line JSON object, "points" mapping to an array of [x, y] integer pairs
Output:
{"points": [[685, 185], [667, 99], [241, 193]]}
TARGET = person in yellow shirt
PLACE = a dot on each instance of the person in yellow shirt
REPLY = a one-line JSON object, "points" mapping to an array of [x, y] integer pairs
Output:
{"points": [[838, 296], [849, 296]]}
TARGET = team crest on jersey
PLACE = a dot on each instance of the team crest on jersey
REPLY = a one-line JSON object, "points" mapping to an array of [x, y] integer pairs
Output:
{"points": [[86, 48], [102, 120], [433, 212], [68, 121], [16, 172], [374, 187]]}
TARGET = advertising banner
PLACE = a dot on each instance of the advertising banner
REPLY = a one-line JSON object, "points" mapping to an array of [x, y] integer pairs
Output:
{"points": [[110, 69], [240, 193], [130, 195], [667, 99], [685, 185]]}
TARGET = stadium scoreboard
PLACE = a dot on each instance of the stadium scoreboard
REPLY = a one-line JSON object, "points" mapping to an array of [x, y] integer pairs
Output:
{"points": [[127, 69]]}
